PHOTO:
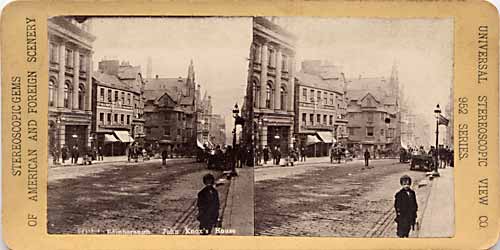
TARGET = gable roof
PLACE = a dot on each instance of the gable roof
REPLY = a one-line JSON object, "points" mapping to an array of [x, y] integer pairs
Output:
{"points": [[128, 72], [165, 83], [367, 83], [153, 95], [324, 81], [114, 82]]}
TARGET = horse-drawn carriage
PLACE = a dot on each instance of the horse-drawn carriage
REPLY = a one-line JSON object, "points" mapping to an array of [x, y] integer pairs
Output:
{"points": [[422, 162], [404, 156]]}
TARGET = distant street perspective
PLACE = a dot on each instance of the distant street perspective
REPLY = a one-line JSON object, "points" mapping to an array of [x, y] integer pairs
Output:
{"points": [[317, 198]]}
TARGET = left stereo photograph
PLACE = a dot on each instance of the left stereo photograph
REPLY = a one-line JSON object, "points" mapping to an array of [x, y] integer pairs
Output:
{"points": [[146, 126]]}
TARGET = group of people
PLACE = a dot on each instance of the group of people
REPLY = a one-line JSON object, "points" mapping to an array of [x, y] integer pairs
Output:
{"points": [[443, 155], [135, 151], [275, 155], [223, 157], [74, 153]]}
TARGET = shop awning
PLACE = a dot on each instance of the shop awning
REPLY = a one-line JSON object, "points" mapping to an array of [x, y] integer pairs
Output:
{"points": [[326, 136], [124, 136], [110, 138], [311, 139]]}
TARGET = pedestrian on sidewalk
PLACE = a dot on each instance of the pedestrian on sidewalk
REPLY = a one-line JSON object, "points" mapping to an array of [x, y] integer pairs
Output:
{"points": [[100, 155], [302, 154], [265, 151], [278, 155], [164, 155], [74, 155], [64, 152], [208, 205], [332, 154], [405, 204], [367, 157]]}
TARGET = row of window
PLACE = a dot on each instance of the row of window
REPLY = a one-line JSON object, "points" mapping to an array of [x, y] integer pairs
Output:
{"points": [[119, 96], [321, 97], [272, 57], [370, 117], [167, 131], [68, 57], [178, 116], [269, 103], [370, 132], [327, 119], [67, 95], [118, 119]]}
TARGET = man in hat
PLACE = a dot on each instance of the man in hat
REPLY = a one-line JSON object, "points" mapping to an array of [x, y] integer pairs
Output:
{"points": [[406, 207]]}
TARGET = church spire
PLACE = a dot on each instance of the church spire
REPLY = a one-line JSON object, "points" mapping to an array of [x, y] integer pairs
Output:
{"points": [[394, 72], [394, 83], [190, 82], [191, 71]]}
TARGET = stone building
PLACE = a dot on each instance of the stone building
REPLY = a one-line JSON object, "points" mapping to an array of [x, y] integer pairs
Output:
{"points": [[271, 86], [320, 107], [373, 115], [170, 112], [117, 106], [204, 113], [70, 86], [217, 131]]}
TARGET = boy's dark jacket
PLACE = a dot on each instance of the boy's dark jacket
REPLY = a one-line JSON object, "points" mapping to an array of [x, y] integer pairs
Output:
{"points": [[406, 206], [208, 205]]}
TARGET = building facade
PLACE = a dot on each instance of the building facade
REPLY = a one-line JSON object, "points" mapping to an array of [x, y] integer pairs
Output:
{"points": [[270, 91], [204, 124], [170, 112], [217, 130], [320, 107], [70, 84], [373, 115], [117, 106]]}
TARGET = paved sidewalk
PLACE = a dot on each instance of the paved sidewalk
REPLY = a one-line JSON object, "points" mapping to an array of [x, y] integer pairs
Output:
{"points": [[438, 216], [239, 211]]}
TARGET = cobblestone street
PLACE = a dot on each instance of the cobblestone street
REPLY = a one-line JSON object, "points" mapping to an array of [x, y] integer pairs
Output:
{"points": [[322, 199], [125, 198]]}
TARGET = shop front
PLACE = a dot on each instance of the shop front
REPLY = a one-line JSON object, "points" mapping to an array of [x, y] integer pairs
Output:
{"points": [[114, 143]]}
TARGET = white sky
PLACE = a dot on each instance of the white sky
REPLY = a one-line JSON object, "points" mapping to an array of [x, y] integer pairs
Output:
{"points": [[219, 48], [421, 48]]}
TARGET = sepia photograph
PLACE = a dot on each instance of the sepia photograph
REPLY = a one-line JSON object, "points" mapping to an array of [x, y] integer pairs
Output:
{"points": [[353, 121], [145, 126], [267, 126]]}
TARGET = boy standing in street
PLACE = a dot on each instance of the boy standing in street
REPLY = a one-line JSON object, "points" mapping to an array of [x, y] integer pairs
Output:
{"points": [[406, 207], [208, 205]]}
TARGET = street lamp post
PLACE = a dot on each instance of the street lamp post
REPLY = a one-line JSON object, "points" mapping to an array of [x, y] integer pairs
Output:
{"points": [[437, 112], [57, 155], [236, 112]]}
